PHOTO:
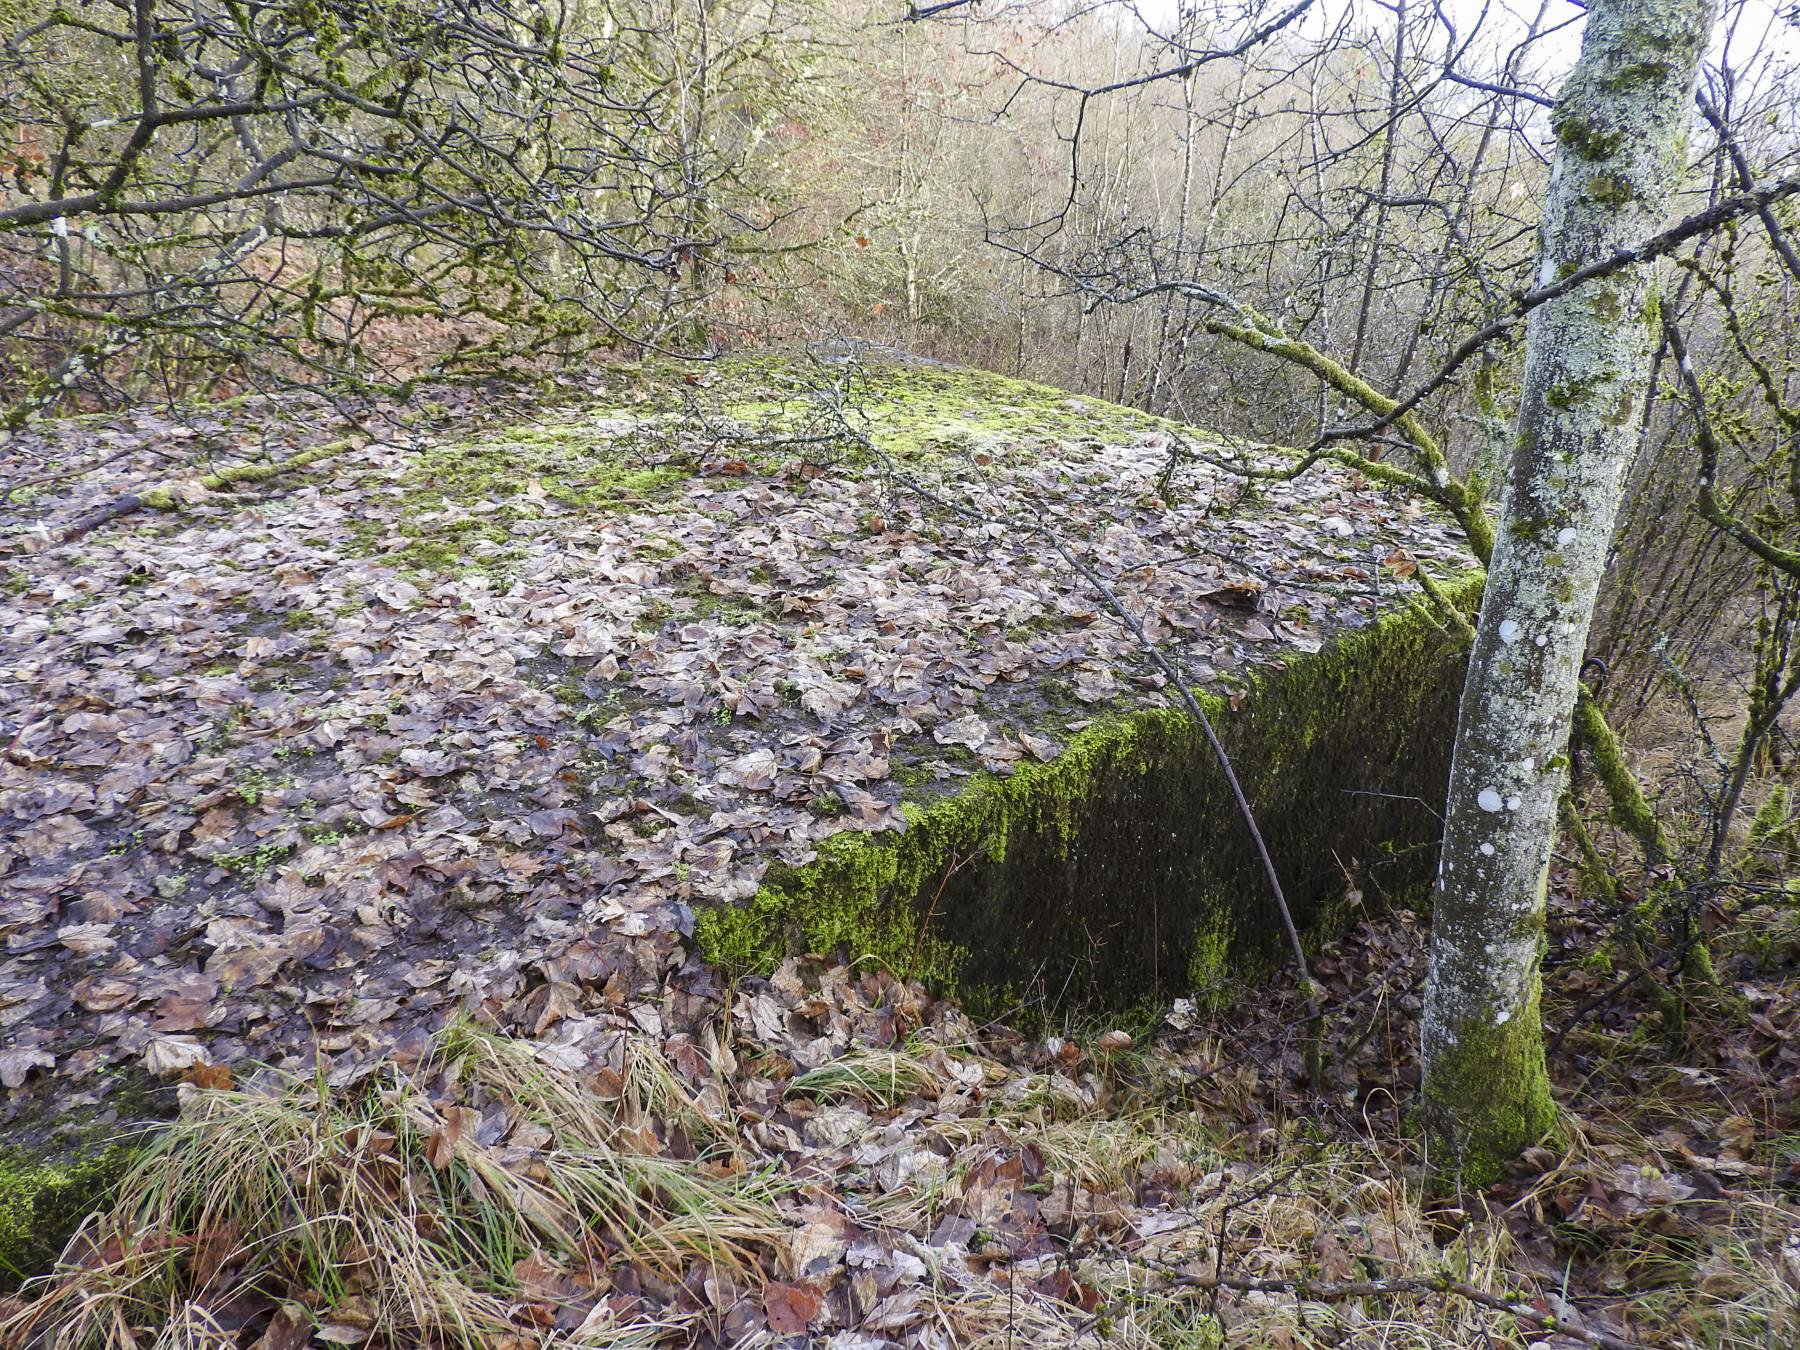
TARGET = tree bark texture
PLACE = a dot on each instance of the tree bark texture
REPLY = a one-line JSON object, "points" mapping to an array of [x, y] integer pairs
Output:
{"points": [[1620, 123]]}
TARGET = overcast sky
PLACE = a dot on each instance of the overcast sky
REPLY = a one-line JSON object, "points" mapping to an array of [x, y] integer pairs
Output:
{"points": [[1760, 26]]}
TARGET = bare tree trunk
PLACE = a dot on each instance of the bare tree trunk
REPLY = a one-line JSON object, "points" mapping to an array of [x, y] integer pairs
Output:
{"points": [[1620, 123], [1377, 236], [1159, 372]]}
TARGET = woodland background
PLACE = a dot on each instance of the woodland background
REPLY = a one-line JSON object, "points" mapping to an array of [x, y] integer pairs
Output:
{"points": [[327, 208], [354, 196]]}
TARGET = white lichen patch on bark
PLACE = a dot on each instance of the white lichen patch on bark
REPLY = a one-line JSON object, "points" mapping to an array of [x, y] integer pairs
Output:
{"points": [[1620, 122]]}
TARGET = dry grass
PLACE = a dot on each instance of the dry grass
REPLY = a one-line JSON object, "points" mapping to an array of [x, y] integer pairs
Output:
{"points": [[880, 1077], [407, 1216], [496, 1196]]}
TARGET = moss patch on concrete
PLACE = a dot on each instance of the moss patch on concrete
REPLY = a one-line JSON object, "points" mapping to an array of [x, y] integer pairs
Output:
{"points": [[572, 463], [60, 1158], [1122, 868], [921, 411], [461, 504], [44, 1196]]}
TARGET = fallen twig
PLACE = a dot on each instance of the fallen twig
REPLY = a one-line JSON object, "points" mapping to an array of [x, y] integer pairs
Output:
{"points": [[168, 496], [1309, 991]]}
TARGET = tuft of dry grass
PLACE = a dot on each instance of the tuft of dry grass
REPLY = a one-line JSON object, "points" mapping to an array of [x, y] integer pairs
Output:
{"points": [[949, 1189], [881, 1077], [399, 1214]]}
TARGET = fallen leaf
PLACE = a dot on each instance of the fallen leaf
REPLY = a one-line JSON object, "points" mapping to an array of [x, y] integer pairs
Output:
{"points": [[790, 1307], [968, 730], [16, 1063], [165, 1055]]}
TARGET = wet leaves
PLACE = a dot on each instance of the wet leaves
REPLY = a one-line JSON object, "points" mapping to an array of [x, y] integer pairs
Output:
{"points": [[280, 787], [268, 763]]}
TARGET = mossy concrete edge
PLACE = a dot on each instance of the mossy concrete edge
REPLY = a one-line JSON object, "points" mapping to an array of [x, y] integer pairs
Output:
{"points": [[941, 902], [45, 1195]]}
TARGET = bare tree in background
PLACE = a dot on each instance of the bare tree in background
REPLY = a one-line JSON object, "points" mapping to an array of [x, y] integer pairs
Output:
{"points": [[329, 191]]}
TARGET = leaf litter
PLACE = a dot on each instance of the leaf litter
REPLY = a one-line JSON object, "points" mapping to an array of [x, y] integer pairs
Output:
{"points": [[276, 781], [309, 820]]}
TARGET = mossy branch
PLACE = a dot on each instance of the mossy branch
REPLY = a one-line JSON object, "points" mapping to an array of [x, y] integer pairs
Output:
{"points": [[1631, 808], [1447, 609], [1596, 874], [1437, 483], [167, 496], [1770, 827], [1706, 440], [1259, 337], [1594, 871]]}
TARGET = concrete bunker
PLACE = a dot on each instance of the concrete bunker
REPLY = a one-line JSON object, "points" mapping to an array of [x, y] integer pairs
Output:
{"points": [[1122, 871], [662, 600]]}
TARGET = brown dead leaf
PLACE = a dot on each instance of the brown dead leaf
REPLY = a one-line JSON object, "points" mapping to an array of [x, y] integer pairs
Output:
{"points": [[16, 1063], [1739, 1136], [1242, 594], [210, 1077], [820, 1243], [104, 993], [290, 1329], [790, 1307], [441, 1147]]}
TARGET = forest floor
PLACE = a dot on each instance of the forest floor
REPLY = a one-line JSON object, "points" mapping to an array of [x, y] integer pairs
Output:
{"points": [[447, 716], [362, 814]]}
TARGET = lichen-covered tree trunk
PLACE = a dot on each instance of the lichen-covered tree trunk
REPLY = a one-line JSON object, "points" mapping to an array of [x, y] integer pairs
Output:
{"points": [[1620, 125]]}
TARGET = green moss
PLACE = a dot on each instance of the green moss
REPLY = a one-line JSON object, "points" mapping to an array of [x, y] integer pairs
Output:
{"points": [[44, 1198], [471, 544], [1527, 527], [1209, 970], [1604, 302], [1583, 137], [1122, 867], [1610, 189], [1569, 393], [1631, 809], [164, 497], [459, 504], [254, 862], [572, 463], [736, 611], [1771, 828], [1636, 73], [1599, 961], [1490, 1099], [923, 412]]}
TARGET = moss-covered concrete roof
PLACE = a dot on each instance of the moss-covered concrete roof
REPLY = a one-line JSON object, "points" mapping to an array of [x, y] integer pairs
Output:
{"points": [[481, 723]]}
